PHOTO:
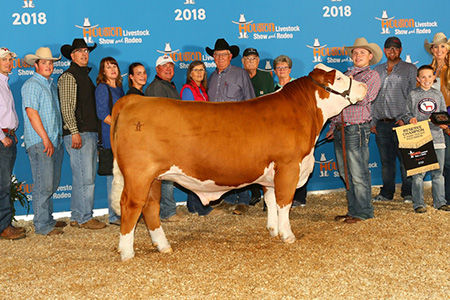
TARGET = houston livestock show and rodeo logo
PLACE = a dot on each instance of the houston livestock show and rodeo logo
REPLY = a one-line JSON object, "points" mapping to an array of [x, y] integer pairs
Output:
{"points": [[263, 30], [403, 26]]}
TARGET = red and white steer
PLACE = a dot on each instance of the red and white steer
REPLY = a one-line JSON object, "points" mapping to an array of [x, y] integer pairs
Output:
{"points": [[211, 148]]}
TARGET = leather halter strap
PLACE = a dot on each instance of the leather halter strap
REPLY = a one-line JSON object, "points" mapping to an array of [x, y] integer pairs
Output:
{"points": [[345, 94]]}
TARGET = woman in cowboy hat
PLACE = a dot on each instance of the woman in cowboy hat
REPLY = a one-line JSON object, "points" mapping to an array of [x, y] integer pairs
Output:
{"points": [[439, 47]]}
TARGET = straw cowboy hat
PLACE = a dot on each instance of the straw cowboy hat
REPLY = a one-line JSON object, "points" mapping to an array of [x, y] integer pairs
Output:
{"points": [[438, 38], [221, 44], [372, 47], [66, 50], [41, 53]]}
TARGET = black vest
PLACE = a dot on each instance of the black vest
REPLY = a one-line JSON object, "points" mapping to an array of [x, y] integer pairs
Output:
{"points": [[85, 111]]}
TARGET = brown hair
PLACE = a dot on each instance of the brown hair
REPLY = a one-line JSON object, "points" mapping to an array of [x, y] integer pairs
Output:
{"points": [[131, 72], [101, 78], [189, 71]]}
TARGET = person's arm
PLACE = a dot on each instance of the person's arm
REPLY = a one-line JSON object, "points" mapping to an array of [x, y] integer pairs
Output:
{"points": [[67, 86], [102, 103], [36, 123]]}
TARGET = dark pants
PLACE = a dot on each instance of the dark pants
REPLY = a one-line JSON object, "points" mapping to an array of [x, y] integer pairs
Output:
{"points": [[7, 160]]}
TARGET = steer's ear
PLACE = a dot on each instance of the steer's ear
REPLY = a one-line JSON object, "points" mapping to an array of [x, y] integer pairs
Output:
{"points": [[330, 76]]}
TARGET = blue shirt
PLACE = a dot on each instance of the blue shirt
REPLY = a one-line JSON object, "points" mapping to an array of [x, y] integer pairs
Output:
{"points": [[103, 109], [232, 84], [41, 94]]}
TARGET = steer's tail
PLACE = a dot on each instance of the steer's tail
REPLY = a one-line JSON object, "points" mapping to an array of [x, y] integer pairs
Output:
{"points": [[117, 188]]}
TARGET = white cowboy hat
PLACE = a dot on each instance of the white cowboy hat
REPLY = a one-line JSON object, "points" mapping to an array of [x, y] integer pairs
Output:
{"points": [[372, 47], [41, 53], [438, 38]]}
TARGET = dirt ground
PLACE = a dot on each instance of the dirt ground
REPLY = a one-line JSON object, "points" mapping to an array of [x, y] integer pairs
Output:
{"points": [[397, 255]]}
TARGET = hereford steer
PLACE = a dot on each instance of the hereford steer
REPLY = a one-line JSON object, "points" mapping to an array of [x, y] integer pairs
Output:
{"points": [[211, 148]]}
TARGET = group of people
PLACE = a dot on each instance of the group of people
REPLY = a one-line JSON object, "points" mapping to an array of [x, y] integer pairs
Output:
{"points": [[69, 113], [395, 90]]}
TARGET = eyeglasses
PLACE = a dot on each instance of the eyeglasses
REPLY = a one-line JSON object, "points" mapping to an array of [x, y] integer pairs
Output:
{"points": [[251, 58], [282, 68], [198, 70], [82, 51]]}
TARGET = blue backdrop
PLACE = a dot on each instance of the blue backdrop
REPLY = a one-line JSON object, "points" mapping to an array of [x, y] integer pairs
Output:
{"points": [[307, 31]]}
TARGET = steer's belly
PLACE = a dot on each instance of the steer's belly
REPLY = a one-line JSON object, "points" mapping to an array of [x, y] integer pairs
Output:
{"points": [[208, 190]]}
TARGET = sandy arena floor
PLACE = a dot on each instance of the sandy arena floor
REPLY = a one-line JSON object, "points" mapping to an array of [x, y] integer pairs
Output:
{"points": [[397, 255]]}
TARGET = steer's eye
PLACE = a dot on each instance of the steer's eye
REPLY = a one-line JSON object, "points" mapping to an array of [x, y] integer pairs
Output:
{"points": [[338, 78]]}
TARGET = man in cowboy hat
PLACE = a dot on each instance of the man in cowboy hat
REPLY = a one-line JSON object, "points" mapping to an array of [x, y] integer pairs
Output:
{"points": [[8, 151], [353, 123], [398, 78], [77, 97], [230, 83], [162, 86], [43, 138]]}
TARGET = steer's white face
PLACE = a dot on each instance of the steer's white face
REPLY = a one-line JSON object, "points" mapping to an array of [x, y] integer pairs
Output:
{"points": [[334, 104]]}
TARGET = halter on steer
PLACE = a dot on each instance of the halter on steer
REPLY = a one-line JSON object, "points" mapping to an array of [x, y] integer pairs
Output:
{"points": [[346, 95]]}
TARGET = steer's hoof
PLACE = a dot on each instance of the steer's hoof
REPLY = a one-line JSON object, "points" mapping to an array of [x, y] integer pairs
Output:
{"points": [[273, 232], [289, 239], [126, 257], [166, 250]]}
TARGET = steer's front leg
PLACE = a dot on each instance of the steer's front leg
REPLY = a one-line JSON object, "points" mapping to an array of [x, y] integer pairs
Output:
{"points": [[272, 214]]}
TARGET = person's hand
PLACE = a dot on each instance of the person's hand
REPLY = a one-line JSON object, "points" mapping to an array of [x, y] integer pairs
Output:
{"points": [[373, 129], [413, 121], [330, 135], [400, 122], [49, 149], [7, 142], [444, 127], [76, 141]]}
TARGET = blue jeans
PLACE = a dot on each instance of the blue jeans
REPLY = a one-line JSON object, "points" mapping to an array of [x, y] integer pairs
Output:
{"points": [[447, 168], [240, 196], [7, 160], [387, 143], [195, 205], [437, 181], [359, 194], [83, 163], [112, 214], [46, 173], [168, 207]]}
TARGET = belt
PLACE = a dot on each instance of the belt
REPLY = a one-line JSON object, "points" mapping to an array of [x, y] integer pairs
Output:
{"points": [[339, 126], [387, 120], [9, 131]]}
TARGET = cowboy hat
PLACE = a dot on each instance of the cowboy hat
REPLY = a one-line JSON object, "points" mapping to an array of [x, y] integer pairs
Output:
{"points": [[438, 38], [66, 50], [221, 44], [41, 53], [372, 47]]}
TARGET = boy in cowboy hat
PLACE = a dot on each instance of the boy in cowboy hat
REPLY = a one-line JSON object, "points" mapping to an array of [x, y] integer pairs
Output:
{"points": [[230, 83], [353, 123], [77, 97], [43, 138], [8, 151]]}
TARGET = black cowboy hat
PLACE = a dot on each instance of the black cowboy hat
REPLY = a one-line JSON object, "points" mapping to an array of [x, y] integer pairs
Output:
{"points": [[221, 44], [66, 50]]}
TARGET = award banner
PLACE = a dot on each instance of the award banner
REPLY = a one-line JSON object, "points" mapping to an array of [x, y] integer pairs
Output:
{"points": [[416, 146]]}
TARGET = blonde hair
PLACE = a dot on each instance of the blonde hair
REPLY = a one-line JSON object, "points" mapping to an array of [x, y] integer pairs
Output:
{"points": [[434, 65]]}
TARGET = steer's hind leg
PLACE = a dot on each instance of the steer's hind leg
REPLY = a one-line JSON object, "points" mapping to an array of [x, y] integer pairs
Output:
{"points": [[132, 201], [286, 179], [151, 217]]}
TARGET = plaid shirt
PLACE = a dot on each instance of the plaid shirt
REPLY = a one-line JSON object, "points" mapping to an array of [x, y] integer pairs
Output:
{"points": [[67, 86], [41, 95], [359, 112]]}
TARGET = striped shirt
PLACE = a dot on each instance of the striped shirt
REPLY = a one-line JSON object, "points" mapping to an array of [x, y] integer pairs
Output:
{"points": [[359, 112], [8, 115], [67, 86], [395, 88], [41, 95]]}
